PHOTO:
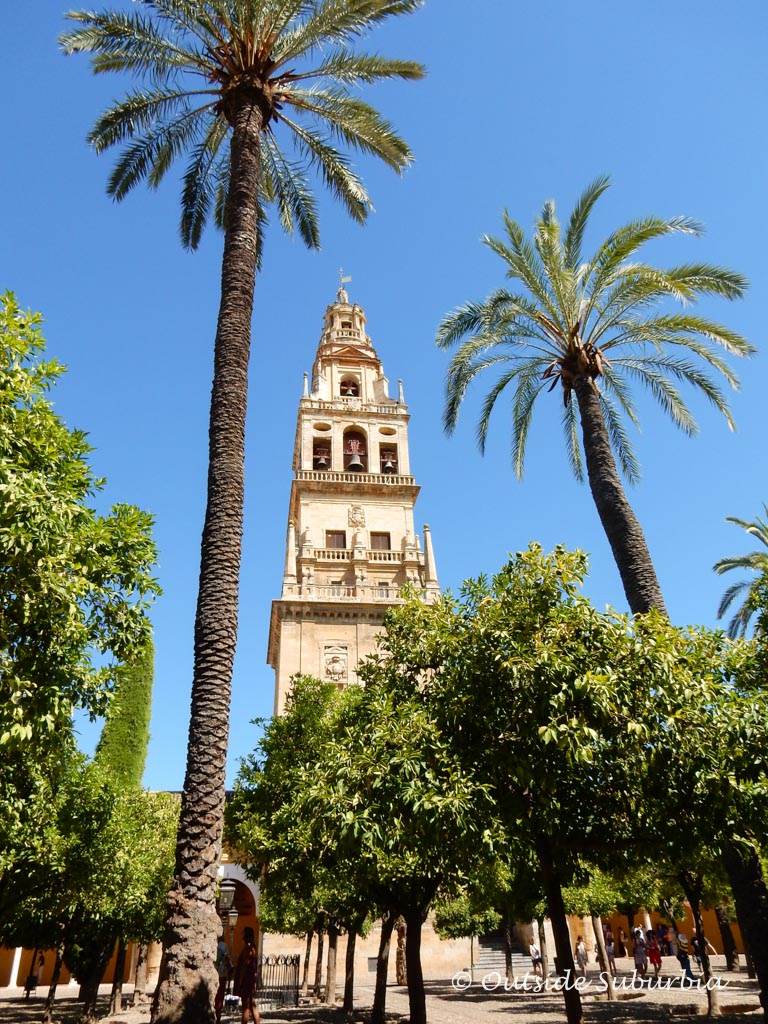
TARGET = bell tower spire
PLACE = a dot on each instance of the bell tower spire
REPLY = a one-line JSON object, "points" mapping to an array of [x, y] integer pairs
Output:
{"points": [[351, 540]]}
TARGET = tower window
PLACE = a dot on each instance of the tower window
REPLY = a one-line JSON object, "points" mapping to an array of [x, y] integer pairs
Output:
{"points": [[336, 538], [380, 542], [350, 388]]}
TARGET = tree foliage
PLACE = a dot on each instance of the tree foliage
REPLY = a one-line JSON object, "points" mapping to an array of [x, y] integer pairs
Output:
{"points": [[75, 584]]}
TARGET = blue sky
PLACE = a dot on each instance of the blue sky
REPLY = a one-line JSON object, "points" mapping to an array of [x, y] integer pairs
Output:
{"points": [[524, 102]]}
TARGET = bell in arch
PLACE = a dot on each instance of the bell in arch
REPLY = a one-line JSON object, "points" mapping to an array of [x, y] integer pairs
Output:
{"points": [[355, 464]]}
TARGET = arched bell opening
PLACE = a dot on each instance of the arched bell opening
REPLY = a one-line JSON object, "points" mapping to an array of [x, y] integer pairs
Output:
{"points": [[355, 452], [349, 387], [321, 455], [388, 458]]}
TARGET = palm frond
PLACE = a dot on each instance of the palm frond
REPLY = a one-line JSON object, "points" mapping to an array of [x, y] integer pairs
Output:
{"points": [[348, 69], [464, 367], [574, 233], [665, 393], [620, 442], [149, 156], [688, 372], [570, 423], [529, 387], [200, 183], [355, 123], [139, 111], [296, 204], [337, 21], [335, 171], [127, 41]]}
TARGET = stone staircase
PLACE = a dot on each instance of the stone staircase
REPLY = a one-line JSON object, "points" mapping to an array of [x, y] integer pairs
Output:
{"points": [[489, 957]]}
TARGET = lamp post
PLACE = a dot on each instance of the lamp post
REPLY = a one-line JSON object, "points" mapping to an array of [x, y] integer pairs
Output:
{"points": [[232, 918]]}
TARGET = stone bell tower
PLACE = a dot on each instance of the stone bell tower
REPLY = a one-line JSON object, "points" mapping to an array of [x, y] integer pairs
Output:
{"points": [[351, 543]]}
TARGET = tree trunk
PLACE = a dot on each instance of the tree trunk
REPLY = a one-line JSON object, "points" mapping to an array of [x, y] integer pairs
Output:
{"points": [[745, 873], [116, 996], [564, 965], [89, 989], [349, 969], [305, 973], [401, 970], [318, 986], [729, 943], [508, 923], [417, 999], [330, 974], [30, 981], [382, 968], [628, 544], [140, 981], [692, 888], [188, 978], [543, 947], [602, 955], [51, 998]]}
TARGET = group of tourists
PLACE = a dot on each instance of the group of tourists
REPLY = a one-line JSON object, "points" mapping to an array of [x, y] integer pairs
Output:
{"points": [[645, 947]]}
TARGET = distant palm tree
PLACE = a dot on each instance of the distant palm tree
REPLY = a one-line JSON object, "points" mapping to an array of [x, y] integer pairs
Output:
{"points": [[239, 72], [592, 326], [757, 563]]}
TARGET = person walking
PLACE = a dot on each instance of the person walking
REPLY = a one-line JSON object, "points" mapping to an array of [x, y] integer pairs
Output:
{"points": [[654, 952], [640, 952], [581, 956], [683, 955], [536, 960], [247, 977], [223, 969]]}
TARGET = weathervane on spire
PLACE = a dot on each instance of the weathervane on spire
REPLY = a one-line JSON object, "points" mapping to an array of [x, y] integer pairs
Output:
{"points": [[341, 294]]}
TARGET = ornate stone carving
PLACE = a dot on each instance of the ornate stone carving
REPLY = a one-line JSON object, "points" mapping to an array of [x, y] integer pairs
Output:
{"points": [[335, 659], [356, 516]]}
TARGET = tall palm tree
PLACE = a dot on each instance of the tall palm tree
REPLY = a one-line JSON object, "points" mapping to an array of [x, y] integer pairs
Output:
{"points": [[246, 73], [757, 563], [592, 325]]}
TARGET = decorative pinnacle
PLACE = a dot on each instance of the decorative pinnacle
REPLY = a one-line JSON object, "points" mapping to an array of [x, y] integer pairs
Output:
{"points": [[341, 294]]}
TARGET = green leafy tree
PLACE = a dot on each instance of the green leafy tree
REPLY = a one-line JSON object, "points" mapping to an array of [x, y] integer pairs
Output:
{"points": [[757, 563], [75, 585], [558, 709], [594, 326], [223, 80]]}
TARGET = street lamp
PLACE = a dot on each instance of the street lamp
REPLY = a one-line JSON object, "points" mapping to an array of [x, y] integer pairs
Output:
{"points": [[227, 888]]}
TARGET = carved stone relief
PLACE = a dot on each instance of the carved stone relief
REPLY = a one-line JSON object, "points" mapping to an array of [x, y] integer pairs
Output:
{"points": [[356, 516], [335, 662]]}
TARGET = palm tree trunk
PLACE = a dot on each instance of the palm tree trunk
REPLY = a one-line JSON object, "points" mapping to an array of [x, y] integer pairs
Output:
{"points": [[630, 551], [188, 979]]}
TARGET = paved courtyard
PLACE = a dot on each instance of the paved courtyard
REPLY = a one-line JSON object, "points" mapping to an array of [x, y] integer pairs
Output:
{"points": [[449, 1003]]}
